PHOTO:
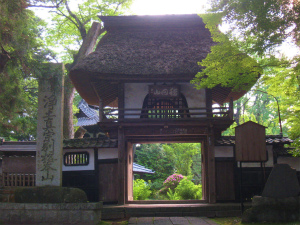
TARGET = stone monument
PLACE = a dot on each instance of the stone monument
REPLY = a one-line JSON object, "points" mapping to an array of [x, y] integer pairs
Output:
{"points": [[49, 127], [280, 200]]}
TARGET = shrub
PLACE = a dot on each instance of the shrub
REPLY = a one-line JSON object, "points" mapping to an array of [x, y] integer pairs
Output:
{"points": [[173, 180], [156, 185], [170, 183], [173, 195], [188, 190], [141, 190]]}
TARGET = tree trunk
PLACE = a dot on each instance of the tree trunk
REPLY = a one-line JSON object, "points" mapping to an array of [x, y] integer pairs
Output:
{"points": [[86, 48], [69, 93]]}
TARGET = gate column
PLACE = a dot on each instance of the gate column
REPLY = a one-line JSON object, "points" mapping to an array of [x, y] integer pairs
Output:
{"points": [[121, 166], [211, 167]]}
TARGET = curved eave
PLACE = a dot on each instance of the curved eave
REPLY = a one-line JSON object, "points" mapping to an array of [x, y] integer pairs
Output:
{"points": [[84, 87]]}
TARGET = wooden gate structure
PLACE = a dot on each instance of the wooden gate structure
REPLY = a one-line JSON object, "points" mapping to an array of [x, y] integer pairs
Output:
{"points": [[139, 76]]}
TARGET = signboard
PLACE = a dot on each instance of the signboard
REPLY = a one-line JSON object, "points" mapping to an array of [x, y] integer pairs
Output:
{"points": [[164, 91]]}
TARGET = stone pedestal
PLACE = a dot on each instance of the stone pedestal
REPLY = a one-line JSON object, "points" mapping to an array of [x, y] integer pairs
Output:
{"points": [[267, 209], [49, 127]]}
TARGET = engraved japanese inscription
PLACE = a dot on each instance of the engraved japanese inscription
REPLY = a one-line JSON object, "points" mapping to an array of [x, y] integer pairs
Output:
{"points": [[164, 91], [49, 137]]}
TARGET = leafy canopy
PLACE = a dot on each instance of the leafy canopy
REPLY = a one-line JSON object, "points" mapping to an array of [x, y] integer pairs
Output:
{"points": [[262, 26], [22, 54], [225, 65]]}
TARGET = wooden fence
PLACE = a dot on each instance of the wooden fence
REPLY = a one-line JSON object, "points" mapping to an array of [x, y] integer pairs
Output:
{"points": [[18, 179]]}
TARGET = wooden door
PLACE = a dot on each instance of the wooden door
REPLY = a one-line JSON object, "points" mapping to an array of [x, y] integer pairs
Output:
{"points": [[225, 180], [108, 182]]}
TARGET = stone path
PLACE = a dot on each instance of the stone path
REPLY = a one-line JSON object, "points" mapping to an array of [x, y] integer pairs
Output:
{"points": [[171, 221]]}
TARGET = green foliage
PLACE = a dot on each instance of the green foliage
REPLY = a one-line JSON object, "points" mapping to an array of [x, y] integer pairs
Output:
{"points": [[225, 65], [153, 156], [71, 23], [172, 181], [262, 26], [181, 155], [141, 190], [22, 55], [188, 190], [172, 195]]}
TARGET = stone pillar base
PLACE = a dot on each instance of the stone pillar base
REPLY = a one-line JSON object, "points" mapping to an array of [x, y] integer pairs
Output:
{"points": [[267, 209]]}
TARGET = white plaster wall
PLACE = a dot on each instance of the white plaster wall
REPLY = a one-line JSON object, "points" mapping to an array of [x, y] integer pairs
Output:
{"points": [[269, 163], [135, 94], [107, 153], [294, 162], [90, 166], [224, 151]]}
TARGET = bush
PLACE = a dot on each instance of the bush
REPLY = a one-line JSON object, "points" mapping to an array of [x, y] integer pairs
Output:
{"points": [[186, 189], [156, 185], [172, 181], [173, 195], [141, 190]]}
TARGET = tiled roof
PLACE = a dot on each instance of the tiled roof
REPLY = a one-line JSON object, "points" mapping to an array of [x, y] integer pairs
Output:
{"points": [[91, 115], [270, 140], [141, 169], [84, 121], [283, 151], [91, 143]]}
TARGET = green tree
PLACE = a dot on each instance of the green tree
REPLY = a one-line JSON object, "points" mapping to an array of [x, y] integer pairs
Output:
{"points": [[22, 53], [262, 26], [69, 30], [225, 65], [181, 155], [154, 157]]}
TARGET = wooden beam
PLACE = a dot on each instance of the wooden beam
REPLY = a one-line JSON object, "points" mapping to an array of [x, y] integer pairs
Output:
{"points": [[205, 178], [211, 168], [208, 95], [121, 166], [121, 100], [129, 164], [101, 111]]}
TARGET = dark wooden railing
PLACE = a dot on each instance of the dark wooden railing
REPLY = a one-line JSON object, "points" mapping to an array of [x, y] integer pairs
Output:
{"points": [[18, 179], [117, 114]]}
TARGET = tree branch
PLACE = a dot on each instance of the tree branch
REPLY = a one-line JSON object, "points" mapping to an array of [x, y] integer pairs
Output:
{"points": [[69, 18], [45, 6], [81, 27], [118, 5]]}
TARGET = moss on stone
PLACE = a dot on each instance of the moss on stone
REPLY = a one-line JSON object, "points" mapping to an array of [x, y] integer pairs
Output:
{"points": [[49, 194]]}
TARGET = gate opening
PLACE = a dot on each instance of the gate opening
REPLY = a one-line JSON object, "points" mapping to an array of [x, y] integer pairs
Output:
{"points": [[167, 171]]}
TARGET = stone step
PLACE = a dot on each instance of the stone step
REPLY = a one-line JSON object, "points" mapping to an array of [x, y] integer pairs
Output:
{"points": [[172, 210]]}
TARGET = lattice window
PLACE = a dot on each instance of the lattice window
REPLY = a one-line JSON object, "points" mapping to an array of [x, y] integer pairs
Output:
{"points": [[165, 107], [76, 159]]}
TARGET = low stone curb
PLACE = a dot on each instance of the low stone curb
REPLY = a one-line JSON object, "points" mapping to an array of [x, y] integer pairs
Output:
{"points": [[36, 213]]}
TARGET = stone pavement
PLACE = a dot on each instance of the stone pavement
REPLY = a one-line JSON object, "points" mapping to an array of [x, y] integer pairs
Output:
{"points": [[171, 221]]}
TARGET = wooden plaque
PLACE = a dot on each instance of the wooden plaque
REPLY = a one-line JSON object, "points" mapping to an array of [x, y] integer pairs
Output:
{"points": [[250, 143], [164, 91]]}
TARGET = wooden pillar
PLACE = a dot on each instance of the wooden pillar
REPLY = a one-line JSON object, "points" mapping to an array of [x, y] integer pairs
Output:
{"points": [[204, 151], [101, 111], [211, 167], [121, 166], [205, 175], [121, 100], [96, 173], [231, 109], [129, 163], [208, 95]]}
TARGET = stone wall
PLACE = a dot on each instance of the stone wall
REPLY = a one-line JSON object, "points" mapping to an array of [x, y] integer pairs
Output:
{"points": [[35, 213]]}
